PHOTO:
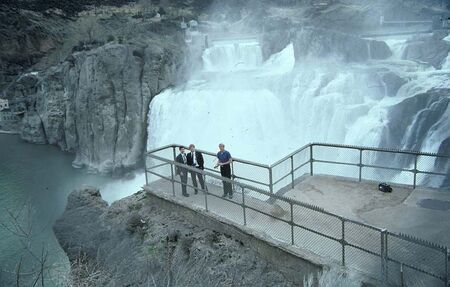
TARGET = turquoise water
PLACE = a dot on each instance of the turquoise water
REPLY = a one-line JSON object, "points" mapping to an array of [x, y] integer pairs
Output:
{"points": [[35, 181]]}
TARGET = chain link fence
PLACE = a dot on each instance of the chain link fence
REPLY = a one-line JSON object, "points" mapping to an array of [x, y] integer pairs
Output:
{"points": [[393, 259]]}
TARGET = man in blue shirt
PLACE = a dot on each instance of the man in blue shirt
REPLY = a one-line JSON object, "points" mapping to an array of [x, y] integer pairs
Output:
{"points": [[225, 160]]}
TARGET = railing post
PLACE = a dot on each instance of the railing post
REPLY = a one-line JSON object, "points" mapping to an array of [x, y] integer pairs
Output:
{"points": [[270, 180], [172, 167], [145, 169], [402, 282], [343, 241], [415, 171], [292, 172], [232, 177], [360, 164], [243, 206], [383, 257], [205, 192], [311, 160], [173, 178], [446, 267], [292, 223]]}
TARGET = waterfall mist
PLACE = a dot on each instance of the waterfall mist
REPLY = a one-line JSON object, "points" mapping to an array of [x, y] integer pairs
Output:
{"points": [[264, 110]]}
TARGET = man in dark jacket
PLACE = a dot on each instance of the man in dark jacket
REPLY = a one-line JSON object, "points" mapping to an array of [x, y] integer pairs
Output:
{"points": [[182, 159], [195, 159]]}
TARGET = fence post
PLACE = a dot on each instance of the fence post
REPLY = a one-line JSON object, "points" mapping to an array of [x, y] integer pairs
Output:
{"points": [[243, 206], [383, 252], [415, 171], [343, 241], [270, 180], [311, 159], [292, 171], [360, 164], [292, 223]]}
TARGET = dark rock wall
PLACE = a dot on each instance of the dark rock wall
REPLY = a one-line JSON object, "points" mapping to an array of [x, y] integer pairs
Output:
{"points": [[96, 103], [135, 242]]}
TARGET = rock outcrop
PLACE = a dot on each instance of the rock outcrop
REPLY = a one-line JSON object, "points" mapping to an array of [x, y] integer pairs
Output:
{"points": [[428, 49], [25, 37], [324, 43], [95, 103], [137, 238]]}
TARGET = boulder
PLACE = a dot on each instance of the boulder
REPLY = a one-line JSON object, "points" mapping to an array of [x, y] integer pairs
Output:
{"points": [[379, 50], [432, 50], [393, 82]]}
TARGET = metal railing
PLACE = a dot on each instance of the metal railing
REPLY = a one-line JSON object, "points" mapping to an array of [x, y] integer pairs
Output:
{"points": [[394, 259], [242, 170], [363, 163]]}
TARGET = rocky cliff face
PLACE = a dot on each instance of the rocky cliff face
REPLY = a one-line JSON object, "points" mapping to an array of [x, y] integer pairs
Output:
{"points": [[25, 37], [135, 242], [96, 102], [319, 43]]}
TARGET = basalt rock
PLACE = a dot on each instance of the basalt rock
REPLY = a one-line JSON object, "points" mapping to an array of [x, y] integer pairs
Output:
{"points": [[95, 104], [169, 251], [428, 49], [325, 43]]}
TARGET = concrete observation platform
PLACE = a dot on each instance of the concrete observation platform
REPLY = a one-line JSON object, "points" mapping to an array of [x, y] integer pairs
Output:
{"points": [[424, 213], [421, 212]]}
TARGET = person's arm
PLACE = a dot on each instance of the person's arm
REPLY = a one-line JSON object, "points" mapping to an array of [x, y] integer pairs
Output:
{"points": [[218, 161], [200, 160]]}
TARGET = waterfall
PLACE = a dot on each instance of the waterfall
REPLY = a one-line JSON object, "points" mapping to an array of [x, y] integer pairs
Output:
{"points": [[397, 47], [232, 56], [264, 110], [235, 104], [446, 63]]}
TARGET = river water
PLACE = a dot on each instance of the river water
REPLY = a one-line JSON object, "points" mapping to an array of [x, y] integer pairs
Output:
{"points": [[35, 181]]}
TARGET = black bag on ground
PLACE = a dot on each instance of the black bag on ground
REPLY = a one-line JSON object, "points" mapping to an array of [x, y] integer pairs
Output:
{"points": [[384, 187]]}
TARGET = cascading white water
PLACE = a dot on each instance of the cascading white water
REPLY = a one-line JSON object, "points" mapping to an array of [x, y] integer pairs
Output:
{"points": [[263, 111], [235, 105], [228, 56]]}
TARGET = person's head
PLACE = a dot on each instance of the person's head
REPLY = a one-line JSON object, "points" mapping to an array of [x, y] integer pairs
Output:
{"points": [[181, 148], [221, 147], [192, 147]]}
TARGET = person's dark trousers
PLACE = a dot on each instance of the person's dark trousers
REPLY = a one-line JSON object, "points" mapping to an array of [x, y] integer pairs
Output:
{"points": [[194, 176], [184, 178], [225, 171]]}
